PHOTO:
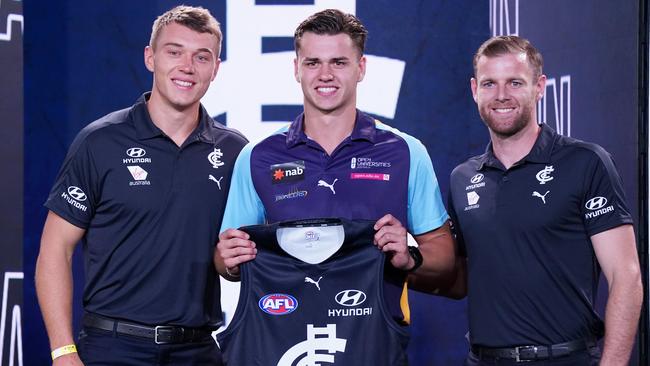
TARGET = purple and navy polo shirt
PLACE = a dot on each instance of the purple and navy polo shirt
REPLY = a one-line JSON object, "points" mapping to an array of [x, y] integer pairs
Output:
{"points": [[377, 170]]}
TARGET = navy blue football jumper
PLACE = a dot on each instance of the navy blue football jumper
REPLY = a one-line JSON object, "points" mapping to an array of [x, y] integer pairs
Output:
{"points": [[322, 304]]}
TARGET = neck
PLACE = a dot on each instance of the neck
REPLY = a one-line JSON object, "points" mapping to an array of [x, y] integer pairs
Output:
{"points": [[330, 129], [176, 124], [511, 149]]}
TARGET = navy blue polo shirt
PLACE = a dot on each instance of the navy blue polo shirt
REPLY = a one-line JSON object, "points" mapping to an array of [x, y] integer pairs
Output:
{"points": [[377, 170], [526, 233], [152, 213]]}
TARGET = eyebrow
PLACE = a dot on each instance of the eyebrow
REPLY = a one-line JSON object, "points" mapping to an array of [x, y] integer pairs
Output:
{"points": [[173, 44], [334, 59]]}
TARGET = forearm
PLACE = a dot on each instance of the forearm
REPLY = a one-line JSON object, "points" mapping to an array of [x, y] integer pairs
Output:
{"points": [[440, 268], [54, 290], [621, 319]]}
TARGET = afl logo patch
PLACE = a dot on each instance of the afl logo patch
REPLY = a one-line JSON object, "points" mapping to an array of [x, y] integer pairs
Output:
{"points": [[278, 304]]}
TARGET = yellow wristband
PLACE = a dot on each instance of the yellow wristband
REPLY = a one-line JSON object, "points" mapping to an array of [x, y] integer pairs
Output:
{"points": [[61, 351]]}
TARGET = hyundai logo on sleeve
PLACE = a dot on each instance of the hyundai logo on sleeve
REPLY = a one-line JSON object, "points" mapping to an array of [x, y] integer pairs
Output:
{"points": [[76, 193], [596, 203], [136, 152], [596, 207]]}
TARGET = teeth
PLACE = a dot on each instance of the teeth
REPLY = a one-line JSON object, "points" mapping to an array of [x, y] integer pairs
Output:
{"points": [[183, 83], [326, 90], [503, 110]]}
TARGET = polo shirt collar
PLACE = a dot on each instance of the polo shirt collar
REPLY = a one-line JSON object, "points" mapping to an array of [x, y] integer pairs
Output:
{"points": [[146, 129], [540, 153], [364, 129]]}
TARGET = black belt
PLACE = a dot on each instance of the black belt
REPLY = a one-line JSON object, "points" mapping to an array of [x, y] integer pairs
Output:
{"points": [[161, 334], [530, 353]]}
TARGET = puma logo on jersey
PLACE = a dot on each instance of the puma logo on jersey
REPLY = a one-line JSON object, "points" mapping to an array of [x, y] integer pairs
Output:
{"points": [[218, 181], [543, 197], [322, 183], [309, 280]]}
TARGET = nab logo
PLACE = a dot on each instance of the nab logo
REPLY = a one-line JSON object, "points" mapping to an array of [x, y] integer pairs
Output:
{"points": [[278, 304], [350, 297], [288, 172], [136, 152], [596, 203]]}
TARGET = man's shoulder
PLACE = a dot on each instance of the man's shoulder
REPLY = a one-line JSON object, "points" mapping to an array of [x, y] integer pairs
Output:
{"points": [[470, 165], [105, 125], [219, 131], [569, 147]]}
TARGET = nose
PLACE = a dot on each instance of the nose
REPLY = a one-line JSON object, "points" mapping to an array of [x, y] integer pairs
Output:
{"points": [[502, 93], [325, 73], [187, 64]]}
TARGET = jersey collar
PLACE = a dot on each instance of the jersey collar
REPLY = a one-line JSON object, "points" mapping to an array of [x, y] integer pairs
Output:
{"points": [[540, 153], [146, 129], [364, 129]]}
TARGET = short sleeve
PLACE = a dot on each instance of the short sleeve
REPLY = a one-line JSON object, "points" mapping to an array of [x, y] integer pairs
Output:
{"points": [[604, 204], [244, 206], [75, 193]]}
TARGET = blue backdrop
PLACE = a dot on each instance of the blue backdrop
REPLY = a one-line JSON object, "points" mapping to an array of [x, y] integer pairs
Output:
{"points": [[84, 59]]}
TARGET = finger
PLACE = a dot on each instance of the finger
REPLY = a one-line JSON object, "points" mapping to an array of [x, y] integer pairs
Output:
{"points": [[228, 244], [233, 233], [236, 261], [387, 219]]}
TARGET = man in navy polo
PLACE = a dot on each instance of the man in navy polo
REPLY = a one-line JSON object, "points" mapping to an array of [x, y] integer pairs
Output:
{"points": [[335, 161], [538, 216], [144, 189]]}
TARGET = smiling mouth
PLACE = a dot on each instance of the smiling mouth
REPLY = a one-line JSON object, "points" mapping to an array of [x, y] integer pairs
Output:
{"points": [[326, 90], [182, 83], [503, 110]]}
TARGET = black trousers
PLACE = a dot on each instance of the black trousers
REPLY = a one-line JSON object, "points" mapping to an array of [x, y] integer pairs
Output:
{"points": [[588, 357], [103, 348]]}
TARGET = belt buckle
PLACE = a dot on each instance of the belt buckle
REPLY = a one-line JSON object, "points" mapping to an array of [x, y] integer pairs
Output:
{"points": [[518, 354], [164, 327]]}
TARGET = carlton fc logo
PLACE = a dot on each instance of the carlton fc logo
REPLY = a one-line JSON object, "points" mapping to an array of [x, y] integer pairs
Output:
{"points": [[215, 158]]}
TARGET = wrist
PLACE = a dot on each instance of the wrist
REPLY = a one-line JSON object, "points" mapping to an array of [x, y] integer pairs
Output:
{"points": [[233, 273], [63, 350], [416, 258]]}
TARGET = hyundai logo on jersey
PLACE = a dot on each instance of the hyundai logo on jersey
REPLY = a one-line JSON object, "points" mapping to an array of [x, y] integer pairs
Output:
{"points": [[278, 304], [288, 172]]}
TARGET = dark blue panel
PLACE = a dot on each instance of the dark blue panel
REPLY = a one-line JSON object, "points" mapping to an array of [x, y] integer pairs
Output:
{"points": [[284, 2], [277, 44], [280, 112]]}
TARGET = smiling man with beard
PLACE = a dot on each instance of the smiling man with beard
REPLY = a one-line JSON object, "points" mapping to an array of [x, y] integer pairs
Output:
{"points": [[538, 216]]}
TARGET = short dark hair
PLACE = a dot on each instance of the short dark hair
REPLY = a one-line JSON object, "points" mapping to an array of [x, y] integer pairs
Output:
{"points": [[196, 18], [503, 45], [333, 22]]}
